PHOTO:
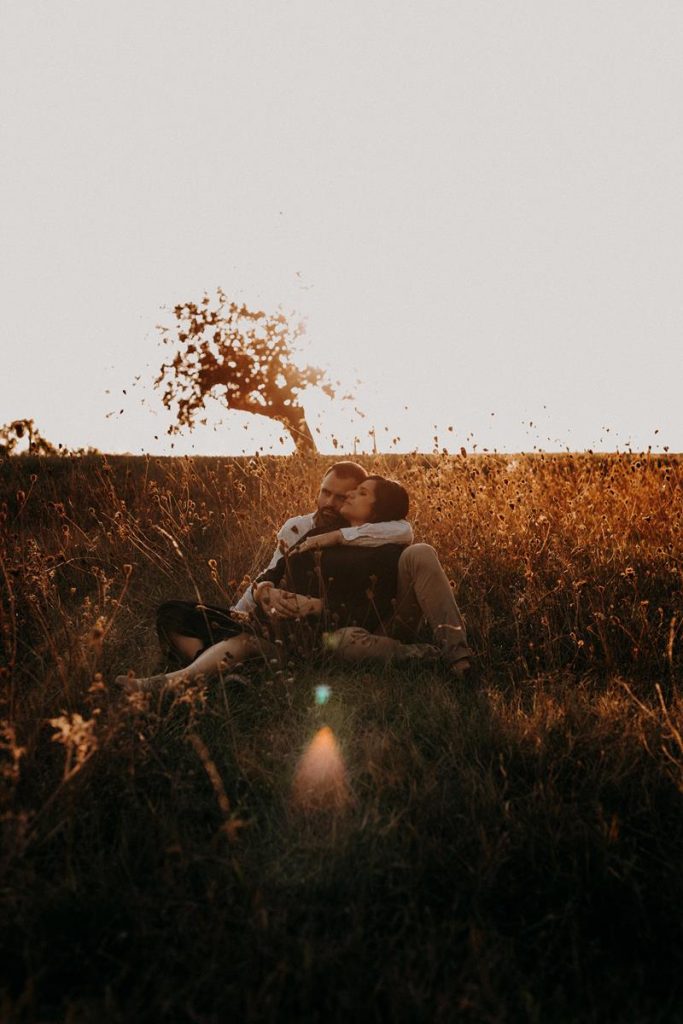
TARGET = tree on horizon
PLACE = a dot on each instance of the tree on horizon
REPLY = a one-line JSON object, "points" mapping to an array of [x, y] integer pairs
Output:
{"points": [[12, 433], [243, 358]]}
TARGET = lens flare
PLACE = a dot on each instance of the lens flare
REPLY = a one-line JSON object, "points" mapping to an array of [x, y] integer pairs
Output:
{"points": [[322, 694], [320, 778]]}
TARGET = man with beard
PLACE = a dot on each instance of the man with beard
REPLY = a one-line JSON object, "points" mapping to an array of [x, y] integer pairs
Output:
{"points": [[423, 590]]}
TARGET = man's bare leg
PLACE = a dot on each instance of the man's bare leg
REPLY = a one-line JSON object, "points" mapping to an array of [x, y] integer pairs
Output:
{"points": [[227, 654], [186, 646]]}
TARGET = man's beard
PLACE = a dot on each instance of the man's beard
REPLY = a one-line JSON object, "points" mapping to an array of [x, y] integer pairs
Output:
{"points": [[329, 518]]}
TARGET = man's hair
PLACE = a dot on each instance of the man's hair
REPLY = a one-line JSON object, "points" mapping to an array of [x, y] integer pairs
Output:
{"points": [[391, 500], [351, 470]]}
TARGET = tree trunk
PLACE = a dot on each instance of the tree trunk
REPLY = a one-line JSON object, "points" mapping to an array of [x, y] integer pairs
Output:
{"points": [[294, 420]]}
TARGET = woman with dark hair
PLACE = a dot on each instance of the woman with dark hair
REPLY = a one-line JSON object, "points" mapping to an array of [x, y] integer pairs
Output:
{"points": [[388, 500], [320, 585], [349, 586]]}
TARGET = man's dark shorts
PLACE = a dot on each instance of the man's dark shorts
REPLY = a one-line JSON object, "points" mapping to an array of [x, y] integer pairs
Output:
{"points": [[204, 622]]}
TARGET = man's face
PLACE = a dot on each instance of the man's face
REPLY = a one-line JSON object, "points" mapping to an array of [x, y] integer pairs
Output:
{"points": [[332, 495]]}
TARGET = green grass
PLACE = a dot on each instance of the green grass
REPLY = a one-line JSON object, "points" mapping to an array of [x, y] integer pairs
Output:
{"points": [[513, 850]]}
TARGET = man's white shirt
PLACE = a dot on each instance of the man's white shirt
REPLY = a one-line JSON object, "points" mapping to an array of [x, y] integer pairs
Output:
{"points": [[369, 535]]}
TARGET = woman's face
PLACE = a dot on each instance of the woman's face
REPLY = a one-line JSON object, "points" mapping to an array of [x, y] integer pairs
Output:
{"points": [[359, 503]]}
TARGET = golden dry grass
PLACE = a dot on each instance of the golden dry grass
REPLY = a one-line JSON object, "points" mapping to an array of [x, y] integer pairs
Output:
{"points": [[510, 853]]}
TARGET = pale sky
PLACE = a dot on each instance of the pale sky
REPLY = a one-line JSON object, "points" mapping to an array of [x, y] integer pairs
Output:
{"points": [[477, 206]]}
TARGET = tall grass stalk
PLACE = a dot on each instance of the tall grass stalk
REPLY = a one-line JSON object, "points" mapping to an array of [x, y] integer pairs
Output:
{"points": [[510, 851]]}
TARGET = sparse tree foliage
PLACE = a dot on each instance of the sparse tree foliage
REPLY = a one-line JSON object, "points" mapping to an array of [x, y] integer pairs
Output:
{"points": [[243, 358]]}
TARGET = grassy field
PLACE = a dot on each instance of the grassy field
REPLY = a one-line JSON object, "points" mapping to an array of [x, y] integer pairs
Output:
{"points": [[514, 848]]}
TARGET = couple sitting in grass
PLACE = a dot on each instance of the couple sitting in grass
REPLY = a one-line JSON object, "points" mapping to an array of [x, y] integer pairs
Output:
{"points": [[346, 577]]}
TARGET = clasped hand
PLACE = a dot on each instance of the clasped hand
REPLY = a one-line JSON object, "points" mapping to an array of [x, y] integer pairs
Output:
{"points": [[321, 540], [285, 605]]}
